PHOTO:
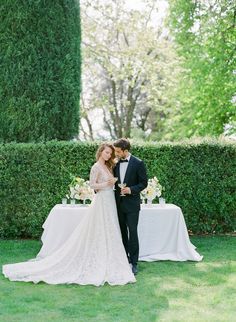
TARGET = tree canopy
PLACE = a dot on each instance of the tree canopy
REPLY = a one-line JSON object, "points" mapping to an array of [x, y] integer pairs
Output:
{"points": [[129, 68], [205, 34]]}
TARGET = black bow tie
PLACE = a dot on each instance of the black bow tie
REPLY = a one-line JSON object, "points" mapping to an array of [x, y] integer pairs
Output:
{"points": [[125, 160]]}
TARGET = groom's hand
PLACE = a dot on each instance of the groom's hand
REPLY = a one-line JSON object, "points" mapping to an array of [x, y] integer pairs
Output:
{"points": [[126, 191]]}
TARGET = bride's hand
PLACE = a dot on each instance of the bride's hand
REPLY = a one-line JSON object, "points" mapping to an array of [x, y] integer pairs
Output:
{"points": [[112, 181]]}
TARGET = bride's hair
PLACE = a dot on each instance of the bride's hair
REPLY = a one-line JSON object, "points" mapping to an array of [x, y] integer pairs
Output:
{"points": [[111, 162]]}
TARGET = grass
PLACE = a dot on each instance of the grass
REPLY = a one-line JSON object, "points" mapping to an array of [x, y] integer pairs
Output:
{"points": [[165, 291]]}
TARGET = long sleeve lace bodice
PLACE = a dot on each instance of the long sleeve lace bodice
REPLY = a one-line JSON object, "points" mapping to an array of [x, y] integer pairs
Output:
{"points": [[99, 178]]}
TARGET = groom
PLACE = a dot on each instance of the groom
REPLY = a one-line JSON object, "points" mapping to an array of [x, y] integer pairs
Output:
{"points": [[132, 172]]}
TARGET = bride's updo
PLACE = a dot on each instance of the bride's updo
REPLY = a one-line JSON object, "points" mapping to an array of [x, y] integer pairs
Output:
{"points": [[111, 162]]}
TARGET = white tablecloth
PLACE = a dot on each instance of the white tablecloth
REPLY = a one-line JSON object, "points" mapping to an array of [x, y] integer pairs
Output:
{"points": [[162, 232]]}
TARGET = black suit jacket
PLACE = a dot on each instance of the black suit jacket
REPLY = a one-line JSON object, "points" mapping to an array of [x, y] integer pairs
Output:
{"points": [[136, 180]]}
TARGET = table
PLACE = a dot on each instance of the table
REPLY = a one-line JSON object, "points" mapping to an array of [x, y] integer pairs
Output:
{"points": [[162, 232]]}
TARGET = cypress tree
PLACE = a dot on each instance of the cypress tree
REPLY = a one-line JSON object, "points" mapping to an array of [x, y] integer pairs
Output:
{"points": [[39, 70]]}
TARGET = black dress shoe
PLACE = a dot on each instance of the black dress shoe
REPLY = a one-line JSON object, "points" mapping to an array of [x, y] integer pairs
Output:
{"points": [[134, 269]]}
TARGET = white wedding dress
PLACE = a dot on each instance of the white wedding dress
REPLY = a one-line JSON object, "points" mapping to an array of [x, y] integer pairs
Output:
{"points": [[93, 254]]}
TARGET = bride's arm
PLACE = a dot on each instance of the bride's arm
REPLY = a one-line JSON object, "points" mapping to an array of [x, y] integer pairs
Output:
{"points": [[94, 173]]}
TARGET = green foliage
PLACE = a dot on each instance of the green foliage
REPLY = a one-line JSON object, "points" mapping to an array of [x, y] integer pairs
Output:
{"points": [[198, 177], [39, 70], [205, 34], [34, 177]]}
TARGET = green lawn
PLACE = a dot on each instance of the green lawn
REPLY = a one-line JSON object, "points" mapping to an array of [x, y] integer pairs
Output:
{"points": [[165, 291]]}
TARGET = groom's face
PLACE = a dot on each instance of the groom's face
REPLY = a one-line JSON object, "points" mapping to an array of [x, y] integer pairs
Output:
{"points": [[121, 154]]}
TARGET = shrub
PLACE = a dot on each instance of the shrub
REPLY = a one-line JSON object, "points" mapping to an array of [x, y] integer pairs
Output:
{"points": [[198, 177], [39, 70]]}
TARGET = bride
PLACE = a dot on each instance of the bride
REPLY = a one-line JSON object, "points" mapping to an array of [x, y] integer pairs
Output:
{"points": [[94, 253]]}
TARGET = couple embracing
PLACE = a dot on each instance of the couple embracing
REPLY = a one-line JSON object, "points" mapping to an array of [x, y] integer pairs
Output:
{"points": [[104, 247]]}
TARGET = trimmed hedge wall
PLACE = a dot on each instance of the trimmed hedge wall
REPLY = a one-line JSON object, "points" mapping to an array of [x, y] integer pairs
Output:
{"points": [[198, 177], [40, 67]]}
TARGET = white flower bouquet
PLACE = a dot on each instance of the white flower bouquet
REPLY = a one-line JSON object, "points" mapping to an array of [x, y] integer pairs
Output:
{"points": [[79, 189], [153, 189]]}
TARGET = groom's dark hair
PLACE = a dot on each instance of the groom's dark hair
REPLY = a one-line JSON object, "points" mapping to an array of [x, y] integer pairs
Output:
{"points": [[123, 143]]}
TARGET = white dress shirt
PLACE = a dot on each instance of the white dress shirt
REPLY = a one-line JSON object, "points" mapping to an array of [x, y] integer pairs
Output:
{"points": [[123, 168]]}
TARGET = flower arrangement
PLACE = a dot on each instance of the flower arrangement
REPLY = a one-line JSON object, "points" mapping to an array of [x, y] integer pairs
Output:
{"points": [[153, 189], [79, 189]]}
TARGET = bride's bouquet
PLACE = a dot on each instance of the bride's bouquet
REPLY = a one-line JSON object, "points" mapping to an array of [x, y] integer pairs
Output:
{"points": [[79, 189], [153, 189]]}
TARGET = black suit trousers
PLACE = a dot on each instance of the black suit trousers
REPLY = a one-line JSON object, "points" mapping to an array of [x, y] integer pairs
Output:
{"points": [[129, 230]]}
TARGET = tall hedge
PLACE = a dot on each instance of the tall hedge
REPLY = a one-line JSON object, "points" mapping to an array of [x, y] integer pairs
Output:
{"points": [[39, 70], [198, 177]]}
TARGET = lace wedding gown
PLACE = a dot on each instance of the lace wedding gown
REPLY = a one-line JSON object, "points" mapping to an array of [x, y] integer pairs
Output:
{"points": [[93, 254]]}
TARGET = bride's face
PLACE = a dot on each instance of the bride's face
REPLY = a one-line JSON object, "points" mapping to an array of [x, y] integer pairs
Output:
{"points": [[106, 153]]}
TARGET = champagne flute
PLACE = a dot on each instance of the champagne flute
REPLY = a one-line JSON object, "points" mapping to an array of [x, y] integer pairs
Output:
{"points": [[115, 178], [122, 185]]}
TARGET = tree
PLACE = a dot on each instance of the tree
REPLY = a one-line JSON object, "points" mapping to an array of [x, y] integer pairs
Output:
{"points": [[39, 70], [130, 68], [205, 34]]}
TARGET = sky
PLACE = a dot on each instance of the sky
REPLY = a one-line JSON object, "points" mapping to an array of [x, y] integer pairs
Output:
{"points": [[139, 5]]}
